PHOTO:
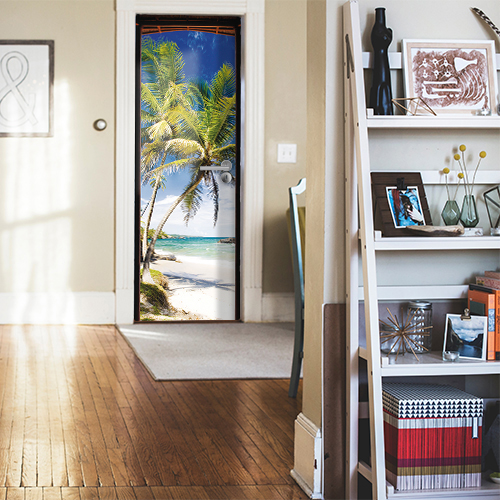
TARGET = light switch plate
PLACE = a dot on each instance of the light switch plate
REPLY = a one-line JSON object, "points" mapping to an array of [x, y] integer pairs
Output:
{"points": [[287, 153]]}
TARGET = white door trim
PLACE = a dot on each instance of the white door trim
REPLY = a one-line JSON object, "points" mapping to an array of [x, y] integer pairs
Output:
{"points": [[252, 107]]}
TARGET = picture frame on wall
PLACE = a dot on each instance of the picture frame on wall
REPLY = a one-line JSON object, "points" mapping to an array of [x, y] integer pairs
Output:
{"points": [[26, 88], [400, 202], [451, 76], [466, 335]]}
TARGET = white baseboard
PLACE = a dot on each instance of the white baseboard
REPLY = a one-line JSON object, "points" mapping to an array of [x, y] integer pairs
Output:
{"points": [[68, 308], [308, 462], [278, 307]]}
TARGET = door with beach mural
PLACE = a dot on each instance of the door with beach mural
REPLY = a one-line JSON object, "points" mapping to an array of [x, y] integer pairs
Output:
{"points": [[188, 168]]}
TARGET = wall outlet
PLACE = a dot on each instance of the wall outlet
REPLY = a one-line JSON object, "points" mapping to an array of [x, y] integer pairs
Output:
{"points": [[287, 153]]}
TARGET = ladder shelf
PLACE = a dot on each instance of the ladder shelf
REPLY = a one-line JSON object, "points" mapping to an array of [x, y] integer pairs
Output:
{"points": [[365, 245]]}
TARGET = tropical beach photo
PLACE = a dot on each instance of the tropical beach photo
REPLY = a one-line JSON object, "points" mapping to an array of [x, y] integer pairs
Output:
{"points": [[188, 206]]}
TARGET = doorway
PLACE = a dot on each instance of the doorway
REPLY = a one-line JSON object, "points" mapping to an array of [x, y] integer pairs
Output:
{"points": [[251, 12], [188, 168]]}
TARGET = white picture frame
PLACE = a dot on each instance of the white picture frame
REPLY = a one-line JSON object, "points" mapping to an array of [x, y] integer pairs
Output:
{"points": [[468, 337], [26, 88], [451, 76]]}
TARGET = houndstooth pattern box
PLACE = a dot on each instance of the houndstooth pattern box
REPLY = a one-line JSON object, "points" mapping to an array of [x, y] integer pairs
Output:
{"points": [[432, 436]]}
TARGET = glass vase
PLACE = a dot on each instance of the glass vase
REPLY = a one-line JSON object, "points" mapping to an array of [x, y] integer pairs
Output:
{"points": [[451, 213], [468, 215]]}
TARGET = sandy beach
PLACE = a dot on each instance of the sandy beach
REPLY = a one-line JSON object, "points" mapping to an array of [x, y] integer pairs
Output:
{"points": [[204, 288]]}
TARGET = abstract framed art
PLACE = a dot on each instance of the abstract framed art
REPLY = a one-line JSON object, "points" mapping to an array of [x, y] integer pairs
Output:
{"points": [[26, 88], [456, 76]]}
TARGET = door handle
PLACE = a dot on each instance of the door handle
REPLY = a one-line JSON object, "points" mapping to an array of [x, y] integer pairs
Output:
{"points": [[225, 166]]}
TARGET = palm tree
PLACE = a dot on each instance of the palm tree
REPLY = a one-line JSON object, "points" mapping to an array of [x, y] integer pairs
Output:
{"points": [[162, 89], [207, 121], [157, 181]]}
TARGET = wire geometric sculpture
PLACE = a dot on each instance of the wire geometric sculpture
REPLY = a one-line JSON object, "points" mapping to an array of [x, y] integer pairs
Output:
{"points": [[415, 104], [402, 332]]}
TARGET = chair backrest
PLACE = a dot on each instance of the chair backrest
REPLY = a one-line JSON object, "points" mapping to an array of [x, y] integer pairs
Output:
{"points": [[297, 233]]}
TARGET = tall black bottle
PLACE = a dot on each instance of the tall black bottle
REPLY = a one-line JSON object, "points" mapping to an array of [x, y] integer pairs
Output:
{"points": [[381, 93]]}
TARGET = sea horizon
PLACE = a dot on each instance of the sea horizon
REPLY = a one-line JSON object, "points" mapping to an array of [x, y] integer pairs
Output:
{"points": [[200, 247]]}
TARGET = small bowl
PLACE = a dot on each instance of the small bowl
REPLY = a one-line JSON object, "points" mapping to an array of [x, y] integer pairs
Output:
{"points": [[495, 479]]}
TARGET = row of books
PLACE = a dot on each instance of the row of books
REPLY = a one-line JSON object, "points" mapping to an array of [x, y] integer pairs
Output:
{"points": [[484, 300], [432, 451]]}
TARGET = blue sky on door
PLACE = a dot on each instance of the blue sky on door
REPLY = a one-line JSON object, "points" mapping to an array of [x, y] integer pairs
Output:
{"points": [[203, 55]]}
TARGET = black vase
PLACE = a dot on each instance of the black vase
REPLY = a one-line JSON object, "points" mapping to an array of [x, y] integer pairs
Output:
{"points": [[381, 93]]}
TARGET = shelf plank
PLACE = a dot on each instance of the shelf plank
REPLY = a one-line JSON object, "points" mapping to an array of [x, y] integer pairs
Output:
{"points": [[412, 243], [430, 122], [430, 292], [430, 364], [488, 489]]}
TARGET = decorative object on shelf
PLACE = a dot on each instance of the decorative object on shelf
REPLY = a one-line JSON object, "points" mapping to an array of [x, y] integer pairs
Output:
{"points": [[433, 436], [451, 210], [436, 231], [495, 477], [483, 112], [415, 104], [420, 313], [457, 77], [451, 355], [381, 92], [492, 202], [398, 338], [486, 19], [450, 213], [400, 202], [466, 334], [468, 215]]}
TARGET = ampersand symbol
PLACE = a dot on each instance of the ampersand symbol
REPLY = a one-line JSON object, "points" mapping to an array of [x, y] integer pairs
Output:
{"points": [[12, 88]]}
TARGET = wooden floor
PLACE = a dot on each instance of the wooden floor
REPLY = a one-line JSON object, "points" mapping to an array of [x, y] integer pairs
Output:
{"points": [[82, 419]]}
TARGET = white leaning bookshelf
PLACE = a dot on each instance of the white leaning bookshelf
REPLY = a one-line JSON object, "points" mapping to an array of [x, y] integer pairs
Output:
{"points": [[365, 366]]}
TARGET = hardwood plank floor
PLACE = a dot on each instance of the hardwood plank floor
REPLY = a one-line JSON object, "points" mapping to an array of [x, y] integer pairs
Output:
{"points": [[82, 419]]}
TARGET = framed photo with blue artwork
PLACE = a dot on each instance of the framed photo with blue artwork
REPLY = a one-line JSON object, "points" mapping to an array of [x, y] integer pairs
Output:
{"points": [[400, 202], [26, 88]]}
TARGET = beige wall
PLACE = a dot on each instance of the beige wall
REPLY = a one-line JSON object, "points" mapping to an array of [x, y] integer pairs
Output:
{"points": [[57, 193], [285, 122], [60, 197]]}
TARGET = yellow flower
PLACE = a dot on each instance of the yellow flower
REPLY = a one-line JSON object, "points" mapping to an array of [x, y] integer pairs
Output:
{"points": [[482, 154], [457, 157], [462, 147], [460, 175], [446, 170]]}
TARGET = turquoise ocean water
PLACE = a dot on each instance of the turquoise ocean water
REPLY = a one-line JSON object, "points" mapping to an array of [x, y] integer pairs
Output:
{"points": [[200, 248]]}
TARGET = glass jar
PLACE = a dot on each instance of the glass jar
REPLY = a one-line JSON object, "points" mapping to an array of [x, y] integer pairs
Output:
{"points": [[420, 326]]}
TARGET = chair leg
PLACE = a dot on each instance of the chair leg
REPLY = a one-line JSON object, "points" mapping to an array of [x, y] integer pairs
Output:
{"points": [[297, 358]]}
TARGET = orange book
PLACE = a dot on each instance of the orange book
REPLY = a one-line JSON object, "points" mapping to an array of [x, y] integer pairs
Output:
{"points": [[484, 303]]}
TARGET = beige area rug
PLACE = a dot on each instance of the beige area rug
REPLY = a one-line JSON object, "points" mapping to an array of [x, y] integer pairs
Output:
{"points": [[194, 351]]}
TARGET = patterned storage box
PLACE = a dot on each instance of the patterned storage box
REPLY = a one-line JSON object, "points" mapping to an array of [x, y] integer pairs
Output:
{"points": [[432, 436]]}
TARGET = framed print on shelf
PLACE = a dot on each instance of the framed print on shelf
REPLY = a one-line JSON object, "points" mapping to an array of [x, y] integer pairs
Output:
{"points": [[26, 88], [466, 335], [400, 202], [455, 76]]}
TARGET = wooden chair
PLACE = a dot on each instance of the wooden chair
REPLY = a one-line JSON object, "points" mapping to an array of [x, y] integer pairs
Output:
{"points": [[297, 234]]}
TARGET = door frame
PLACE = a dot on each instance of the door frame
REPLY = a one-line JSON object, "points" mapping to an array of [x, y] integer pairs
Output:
{"points": [[251, 13]]}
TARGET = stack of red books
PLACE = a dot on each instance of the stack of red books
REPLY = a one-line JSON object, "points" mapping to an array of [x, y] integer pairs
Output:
{"points": [[433, 436]]}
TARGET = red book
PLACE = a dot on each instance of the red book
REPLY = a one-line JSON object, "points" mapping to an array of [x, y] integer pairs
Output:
{"points": [[488, 289], [484, 304]]}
